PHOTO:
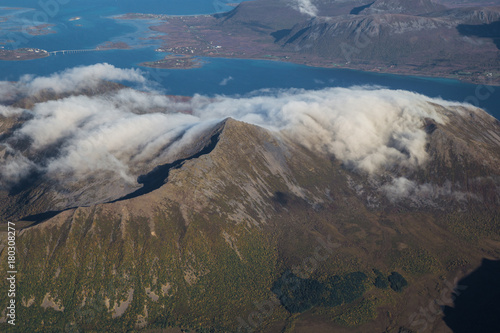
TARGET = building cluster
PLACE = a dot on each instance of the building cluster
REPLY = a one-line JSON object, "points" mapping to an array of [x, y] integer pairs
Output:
{"points": [[188, 49], [34, 50]]}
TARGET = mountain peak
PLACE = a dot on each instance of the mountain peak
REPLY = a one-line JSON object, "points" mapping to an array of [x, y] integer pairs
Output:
{"points": [[242, 201]]}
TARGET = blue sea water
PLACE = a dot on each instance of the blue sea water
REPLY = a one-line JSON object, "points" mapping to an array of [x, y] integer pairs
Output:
{"points": [[218, 76]]}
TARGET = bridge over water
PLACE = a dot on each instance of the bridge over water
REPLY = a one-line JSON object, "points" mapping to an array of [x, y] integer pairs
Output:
{"points": [[73, 51]]}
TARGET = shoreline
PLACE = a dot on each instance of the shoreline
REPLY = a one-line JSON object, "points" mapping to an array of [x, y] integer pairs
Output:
{"points": [[175, 62], [201, 36], [355, 68], [360, 68], [189, 38], [196, 61], [23, 54]]}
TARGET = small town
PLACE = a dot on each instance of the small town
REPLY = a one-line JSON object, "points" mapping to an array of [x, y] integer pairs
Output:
{"points": [[22, 54]]}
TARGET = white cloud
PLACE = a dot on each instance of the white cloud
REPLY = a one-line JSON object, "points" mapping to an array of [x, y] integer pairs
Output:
{"points": [[8, 111], [70, 80], [14, 166], [401, 188], [306, 7], [104, 133], [225, 81], [370, 130], [126, 133], [8, 91], [81, 77]]}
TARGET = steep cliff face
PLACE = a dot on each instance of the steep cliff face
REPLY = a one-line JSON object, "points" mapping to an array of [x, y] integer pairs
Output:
{"points": [[207, 244]]}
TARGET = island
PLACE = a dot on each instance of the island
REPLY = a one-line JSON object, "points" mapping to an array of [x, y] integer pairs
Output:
{"points": [[23, 54], [113, 46], [175, 62], [141, 16], [33, 30], [41, 29]]}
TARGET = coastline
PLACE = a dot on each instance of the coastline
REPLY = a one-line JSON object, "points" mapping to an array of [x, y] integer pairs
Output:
{"points": [[188, 38], [197, 36], [197, 61], [22, 54], [200, 36], [361, 68], [175, 62]]}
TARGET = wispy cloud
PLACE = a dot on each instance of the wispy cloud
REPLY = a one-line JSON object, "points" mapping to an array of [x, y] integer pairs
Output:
{"points": [[70, 80], [226, 80], [306, 7], [401, 188], [368, 129]]}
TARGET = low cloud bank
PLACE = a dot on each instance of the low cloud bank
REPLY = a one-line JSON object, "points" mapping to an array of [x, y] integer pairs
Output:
{"points": [[79, 137], [70, 80], [368, 129], [127, 132]]}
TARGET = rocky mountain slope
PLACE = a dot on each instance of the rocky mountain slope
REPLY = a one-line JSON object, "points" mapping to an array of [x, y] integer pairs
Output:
{"points": [[418, 7], [261, 229], [389, 34]]}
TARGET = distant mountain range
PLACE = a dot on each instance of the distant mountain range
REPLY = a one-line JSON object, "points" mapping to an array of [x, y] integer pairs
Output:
{"points": [[396, 36]]}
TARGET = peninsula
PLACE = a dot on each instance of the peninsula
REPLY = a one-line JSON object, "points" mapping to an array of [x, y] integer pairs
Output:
{"points": [[41, 29], [175, 62]]}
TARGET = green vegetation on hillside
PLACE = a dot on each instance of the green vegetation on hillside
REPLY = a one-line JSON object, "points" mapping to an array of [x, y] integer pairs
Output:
{"points": [[381, 281], [397, 281], [299, 295], [418, 261]]}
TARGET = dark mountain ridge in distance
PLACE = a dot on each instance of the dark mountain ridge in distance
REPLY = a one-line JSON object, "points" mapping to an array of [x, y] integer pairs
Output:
{"points": [[417, 7], [395, 34]]}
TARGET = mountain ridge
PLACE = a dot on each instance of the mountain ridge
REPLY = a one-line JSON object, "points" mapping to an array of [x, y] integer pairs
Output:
{"points": [[418, 7], [223, 228]]}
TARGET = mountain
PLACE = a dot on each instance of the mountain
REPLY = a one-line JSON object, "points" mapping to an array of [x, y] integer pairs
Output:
{"points": [[422, 37], [254, 228], [35, 195], [261, 14], [398, 7], [465, 3], [423, 43]]}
